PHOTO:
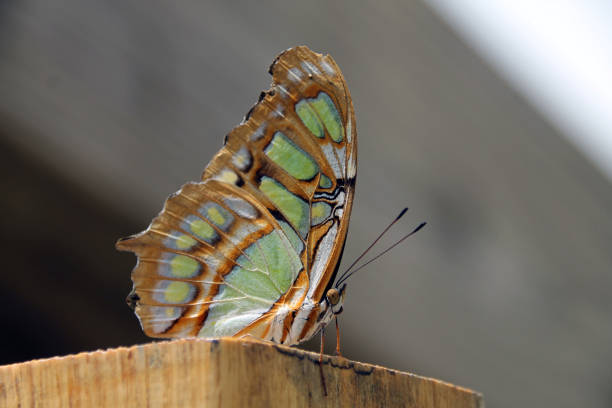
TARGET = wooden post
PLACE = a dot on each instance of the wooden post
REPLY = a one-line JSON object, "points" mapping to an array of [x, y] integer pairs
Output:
{"points": [[219, 373]]}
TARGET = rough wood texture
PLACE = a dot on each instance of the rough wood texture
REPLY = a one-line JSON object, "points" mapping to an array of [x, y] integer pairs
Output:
{"points": [[228, 373]]}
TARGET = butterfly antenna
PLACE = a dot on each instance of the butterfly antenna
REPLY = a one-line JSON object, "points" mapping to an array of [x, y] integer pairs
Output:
{"points": [[346, 276], [401, 214]]}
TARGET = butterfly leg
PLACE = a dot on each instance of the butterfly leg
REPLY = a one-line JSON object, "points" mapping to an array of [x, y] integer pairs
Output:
{"points": [[321, 361], [337, 337]]}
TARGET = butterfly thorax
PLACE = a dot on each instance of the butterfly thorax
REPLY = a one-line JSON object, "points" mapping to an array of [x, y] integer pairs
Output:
{"points": [[296, 327]]}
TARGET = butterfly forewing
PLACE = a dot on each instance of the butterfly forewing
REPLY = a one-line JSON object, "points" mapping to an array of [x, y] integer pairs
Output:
{"points": [[263, 231]]}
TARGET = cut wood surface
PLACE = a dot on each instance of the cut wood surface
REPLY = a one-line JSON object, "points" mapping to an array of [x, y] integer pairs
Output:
{"points": [[220, 373]]}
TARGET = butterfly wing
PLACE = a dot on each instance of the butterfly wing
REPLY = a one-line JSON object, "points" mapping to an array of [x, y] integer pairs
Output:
{"points": [[265, 228]]}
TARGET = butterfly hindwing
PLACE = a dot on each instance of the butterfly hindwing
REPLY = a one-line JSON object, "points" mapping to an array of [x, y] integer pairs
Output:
{"points": [[263, 231]]}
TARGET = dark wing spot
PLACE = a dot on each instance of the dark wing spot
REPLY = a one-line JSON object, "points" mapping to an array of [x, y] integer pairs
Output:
{"points": [[132, 299]]}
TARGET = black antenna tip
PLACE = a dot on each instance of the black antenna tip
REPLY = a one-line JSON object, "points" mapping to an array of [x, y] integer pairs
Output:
{"points": [[421, 225], [401, 214]]}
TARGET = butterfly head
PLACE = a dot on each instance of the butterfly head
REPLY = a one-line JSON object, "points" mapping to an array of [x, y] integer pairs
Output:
{"points": [[335, 298]]}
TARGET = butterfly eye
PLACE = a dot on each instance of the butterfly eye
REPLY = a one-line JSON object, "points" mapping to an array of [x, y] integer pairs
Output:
{"points": [[333, 296]]}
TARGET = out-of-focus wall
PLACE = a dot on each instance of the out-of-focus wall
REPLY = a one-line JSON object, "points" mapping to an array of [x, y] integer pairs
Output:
{"points": [[106, 108]]}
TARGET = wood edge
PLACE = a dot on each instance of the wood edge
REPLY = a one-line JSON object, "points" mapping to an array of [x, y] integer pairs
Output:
{"points": [[337, 362]]}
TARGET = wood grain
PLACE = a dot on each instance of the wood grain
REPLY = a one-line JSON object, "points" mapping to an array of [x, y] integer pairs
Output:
{"points": [[227, 372]]}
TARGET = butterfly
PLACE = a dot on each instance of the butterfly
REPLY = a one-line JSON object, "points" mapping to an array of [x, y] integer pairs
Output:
{"points": [[254, 247]]}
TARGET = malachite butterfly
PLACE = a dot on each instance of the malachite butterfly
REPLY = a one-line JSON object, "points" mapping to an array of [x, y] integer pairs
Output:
{"points": [[253, 248]]}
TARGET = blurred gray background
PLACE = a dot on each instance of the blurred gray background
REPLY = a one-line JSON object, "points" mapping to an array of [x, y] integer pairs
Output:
{"points": [[108, 107]]}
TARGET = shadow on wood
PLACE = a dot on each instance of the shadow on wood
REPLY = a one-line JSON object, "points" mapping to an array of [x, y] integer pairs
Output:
{"points": [[226, 372]]}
